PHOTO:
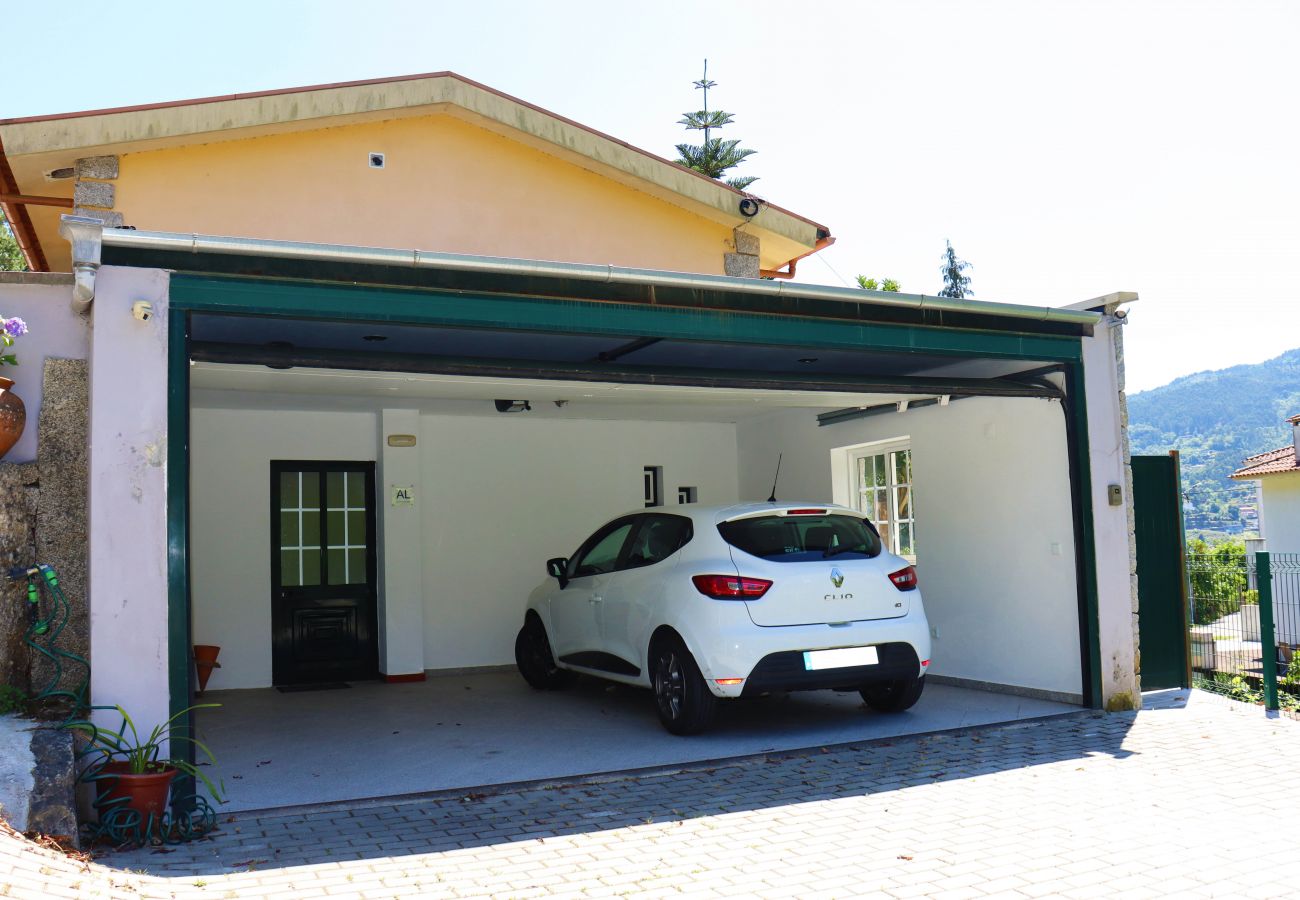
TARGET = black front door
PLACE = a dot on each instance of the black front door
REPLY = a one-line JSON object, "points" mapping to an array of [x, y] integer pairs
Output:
{"points": [[323, 622]]}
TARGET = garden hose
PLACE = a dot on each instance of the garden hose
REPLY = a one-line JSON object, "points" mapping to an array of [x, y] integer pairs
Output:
{"points": [[119, 825], [47, 619]]}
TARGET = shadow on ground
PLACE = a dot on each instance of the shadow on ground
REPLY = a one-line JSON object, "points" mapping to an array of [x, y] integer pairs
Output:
{"points": [[487, 817]]}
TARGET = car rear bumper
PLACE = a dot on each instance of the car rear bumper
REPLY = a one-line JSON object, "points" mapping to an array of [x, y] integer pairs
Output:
{"points": [[771, 658], [785, 671]]}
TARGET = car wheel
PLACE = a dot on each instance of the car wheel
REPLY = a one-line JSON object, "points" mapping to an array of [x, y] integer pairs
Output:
{"points": [[534, 658], [683, 700], [893, 696]]}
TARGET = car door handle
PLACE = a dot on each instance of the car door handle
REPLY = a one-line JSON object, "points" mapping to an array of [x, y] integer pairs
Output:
{"points": [[596, 598]]}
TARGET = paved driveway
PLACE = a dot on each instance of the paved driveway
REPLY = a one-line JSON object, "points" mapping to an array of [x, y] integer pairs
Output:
{"points": [[1172, 801]]}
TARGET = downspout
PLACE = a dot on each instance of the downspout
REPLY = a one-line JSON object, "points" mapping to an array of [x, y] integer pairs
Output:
{"points": [[822, 243], [86, 235]]}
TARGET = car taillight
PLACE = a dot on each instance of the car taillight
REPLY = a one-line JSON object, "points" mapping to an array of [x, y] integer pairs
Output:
{"points": [[730, 587], [904, 579], [805, 512]]}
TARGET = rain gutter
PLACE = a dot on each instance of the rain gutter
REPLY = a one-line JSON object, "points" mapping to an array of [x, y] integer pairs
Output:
{"points": [[492, 265]]}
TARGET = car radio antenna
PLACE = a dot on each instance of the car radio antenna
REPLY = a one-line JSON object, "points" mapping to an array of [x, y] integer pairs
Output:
{"points": [[772, 498]]}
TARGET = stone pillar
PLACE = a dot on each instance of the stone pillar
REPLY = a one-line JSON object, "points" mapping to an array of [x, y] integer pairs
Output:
{"points": [[61, 530], [744, 262], [94, 193], [401, 547]]}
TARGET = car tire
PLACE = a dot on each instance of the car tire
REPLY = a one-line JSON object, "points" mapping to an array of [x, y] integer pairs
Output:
{"points": [[893, 696], [682, 698], [534, 658]]}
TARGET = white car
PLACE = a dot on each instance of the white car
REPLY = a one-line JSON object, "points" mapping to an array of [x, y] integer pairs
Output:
{"points": [[708, 603]]}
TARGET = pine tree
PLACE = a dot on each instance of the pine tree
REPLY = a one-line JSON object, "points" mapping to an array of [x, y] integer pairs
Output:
{"points": [[956, 284], [715, 156]]}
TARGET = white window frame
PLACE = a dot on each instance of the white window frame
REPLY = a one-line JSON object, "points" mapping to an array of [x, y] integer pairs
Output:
{"points": [[890, 531]]}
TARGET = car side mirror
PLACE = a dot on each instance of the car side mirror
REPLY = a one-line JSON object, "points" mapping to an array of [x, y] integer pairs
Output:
{"points": [[558, 568]]}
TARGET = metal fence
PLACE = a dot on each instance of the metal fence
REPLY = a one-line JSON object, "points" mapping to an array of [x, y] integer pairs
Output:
{"points": [[1244, 639]]}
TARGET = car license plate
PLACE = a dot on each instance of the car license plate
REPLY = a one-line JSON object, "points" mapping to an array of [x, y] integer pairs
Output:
{"points": [[840, 658]]}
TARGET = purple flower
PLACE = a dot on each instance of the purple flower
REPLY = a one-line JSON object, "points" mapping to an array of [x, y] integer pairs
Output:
{"points": [[15, 327]]}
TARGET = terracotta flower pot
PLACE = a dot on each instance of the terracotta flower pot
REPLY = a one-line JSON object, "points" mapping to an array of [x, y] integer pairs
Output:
{"points": [[205, 660], [13, 416], [146, 794]]}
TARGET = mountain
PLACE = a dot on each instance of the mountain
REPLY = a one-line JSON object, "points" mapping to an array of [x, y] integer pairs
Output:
{"points": [[1215, 420]]}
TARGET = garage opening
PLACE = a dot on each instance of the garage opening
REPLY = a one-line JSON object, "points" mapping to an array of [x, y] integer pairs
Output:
{"points": [[423, 505]]}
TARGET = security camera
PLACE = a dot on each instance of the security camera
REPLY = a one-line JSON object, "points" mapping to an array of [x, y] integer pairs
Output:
{"points": [[142, 310], [749, 207]]}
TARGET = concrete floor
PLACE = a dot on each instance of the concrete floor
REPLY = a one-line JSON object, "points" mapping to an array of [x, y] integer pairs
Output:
{"points": [[381, 740]]}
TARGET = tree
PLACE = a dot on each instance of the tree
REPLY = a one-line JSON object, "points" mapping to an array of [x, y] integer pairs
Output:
{"points": [[886, 284], [956, 284], [715, 156], [11, 258]]}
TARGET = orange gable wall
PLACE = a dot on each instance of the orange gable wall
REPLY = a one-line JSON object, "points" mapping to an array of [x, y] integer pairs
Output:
{"points": [[447, 186]]}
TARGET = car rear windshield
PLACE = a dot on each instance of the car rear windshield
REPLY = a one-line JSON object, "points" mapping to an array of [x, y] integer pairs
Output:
{"points": [[802, 538]]}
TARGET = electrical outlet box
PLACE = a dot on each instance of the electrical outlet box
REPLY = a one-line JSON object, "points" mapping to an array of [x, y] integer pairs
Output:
{"points": [[1115, 494]]}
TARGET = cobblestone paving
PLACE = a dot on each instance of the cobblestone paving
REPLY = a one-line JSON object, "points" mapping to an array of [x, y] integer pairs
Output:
{"points": [[1178, 801]]}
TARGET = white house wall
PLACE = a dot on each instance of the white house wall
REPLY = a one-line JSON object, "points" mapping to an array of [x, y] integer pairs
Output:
{"points": [[502, 495], [44, 302], [230, 502], [995, 542], [1281, 512], [496, 496]]}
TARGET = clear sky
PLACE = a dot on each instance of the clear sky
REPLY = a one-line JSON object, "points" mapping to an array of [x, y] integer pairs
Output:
{"points": [[1066, 149]]}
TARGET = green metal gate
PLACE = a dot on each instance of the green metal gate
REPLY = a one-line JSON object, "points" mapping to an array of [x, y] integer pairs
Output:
{"points": [[1162, 587]]}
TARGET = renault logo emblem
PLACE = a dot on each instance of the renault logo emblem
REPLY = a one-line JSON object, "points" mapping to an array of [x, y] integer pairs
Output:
{"points": [[837, 577]]}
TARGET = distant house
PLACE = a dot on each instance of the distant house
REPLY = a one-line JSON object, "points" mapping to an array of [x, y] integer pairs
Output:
{"points": [[1278, 474]]}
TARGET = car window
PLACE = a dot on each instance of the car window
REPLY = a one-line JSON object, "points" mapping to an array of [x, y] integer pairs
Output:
{"points": [[601, 551], [658, 537], [802, 538]]}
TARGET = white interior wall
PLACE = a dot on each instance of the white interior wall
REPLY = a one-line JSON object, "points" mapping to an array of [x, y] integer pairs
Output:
{"points": [[504, 494], [497, 497], [995, 546], [230, 521]]}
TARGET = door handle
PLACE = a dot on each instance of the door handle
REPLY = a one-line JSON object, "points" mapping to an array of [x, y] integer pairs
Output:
{"points": [[596, 598]]}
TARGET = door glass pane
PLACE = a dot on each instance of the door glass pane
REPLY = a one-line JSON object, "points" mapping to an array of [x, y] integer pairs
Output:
{"points": [[289, 490], [334, 520], [310, 489], [902, 467], [311, 528], [904, 503], [334, 490], [289, 560], [357, 566], [356, 489], [904, 539], [337, 566], [882, 508], [310, 568], [878, 470], [288, 529], [356, 527]]}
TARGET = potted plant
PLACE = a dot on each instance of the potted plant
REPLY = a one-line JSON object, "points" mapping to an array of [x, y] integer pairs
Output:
{"points": [[128, 771], [13, 414]]}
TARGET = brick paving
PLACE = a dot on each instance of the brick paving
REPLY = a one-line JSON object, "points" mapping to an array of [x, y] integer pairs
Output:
{"points": [[1197, 801]]}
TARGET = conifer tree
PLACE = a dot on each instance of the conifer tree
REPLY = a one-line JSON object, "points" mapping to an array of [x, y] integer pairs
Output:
{"points": [[956, 284], [715, 156]]}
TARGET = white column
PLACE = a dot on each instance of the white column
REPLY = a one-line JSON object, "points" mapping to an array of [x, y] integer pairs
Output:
{"points": [[401, 547], [1117, 605], [128, 497]]}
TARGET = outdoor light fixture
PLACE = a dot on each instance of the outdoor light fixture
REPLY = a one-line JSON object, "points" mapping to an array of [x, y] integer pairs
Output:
{"points": [[511, 406]]}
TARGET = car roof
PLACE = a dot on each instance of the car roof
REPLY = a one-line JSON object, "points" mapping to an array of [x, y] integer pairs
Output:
{"points": [[724, 512]]}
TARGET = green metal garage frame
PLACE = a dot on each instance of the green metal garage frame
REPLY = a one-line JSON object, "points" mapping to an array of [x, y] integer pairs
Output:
{"points": [[1017, 339]]}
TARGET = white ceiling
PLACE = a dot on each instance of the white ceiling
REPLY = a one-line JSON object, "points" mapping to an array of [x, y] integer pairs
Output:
{"points": [[257, 387]]}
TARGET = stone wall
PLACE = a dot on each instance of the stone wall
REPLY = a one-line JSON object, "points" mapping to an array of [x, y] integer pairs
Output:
{"points": [[43, 519]]}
